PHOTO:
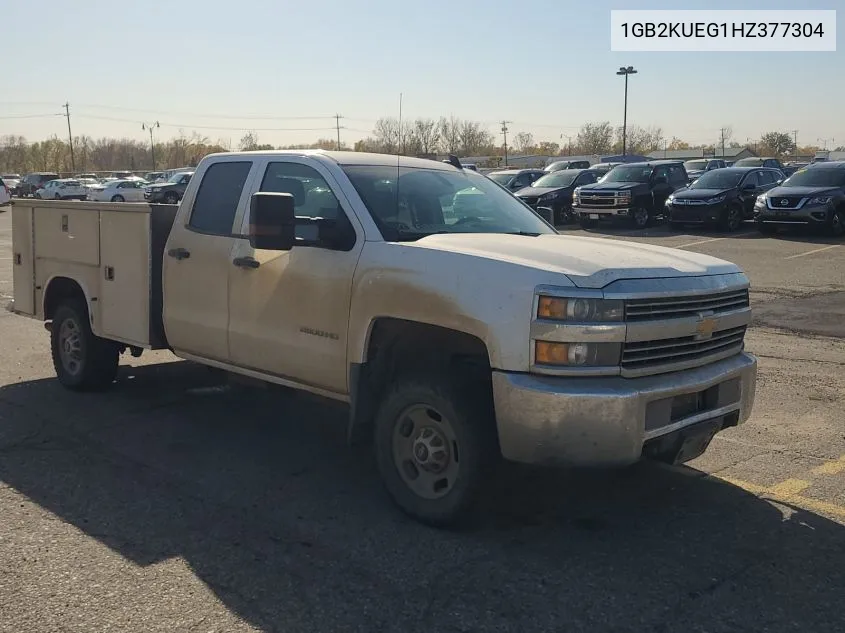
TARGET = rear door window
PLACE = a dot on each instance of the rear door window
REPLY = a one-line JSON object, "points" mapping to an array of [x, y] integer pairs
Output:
{"points": [[217, 200]]}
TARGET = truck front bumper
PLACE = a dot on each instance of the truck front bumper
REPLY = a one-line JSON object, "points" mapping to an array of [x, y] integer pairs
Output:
{"points": [[587, 422]]}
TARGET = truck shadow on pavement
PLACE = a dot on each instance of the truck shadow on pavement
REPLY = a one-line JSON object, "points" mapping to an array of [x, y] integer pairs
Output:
{"points": [[258, 493]]}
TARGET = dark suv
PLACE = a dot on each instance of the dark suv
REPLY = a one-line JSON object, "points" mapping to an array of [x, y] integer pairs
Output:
{"points": [[35, 181], [764, 161], [634, 191], [567, 164], [696, 168], [170, 191], [811, 197], [724, 197], [551, 195]]}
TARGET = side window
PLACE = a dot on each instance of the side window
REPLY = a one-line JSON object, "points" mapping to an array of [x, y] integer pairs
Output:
{"points": [[676, 175], [661, 172], [585, 179], [766, 177], [311, 193], [217, 199], [752, 179]]}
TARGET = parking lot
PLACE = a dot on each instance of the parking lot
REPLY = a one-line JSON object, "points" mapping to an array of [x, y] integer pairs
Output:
{"points": [[173, 503]]}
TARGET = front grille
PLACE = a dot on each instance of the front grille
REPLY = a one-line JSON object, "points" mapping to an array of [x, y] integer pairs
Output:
{"points": [[674, 307], [600, 199], [646, 354], [792, 202]]}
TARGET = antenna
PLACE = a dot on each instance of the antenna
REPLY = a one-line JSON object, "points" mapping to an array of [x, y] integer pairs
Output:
{"points": [[398, 153]]}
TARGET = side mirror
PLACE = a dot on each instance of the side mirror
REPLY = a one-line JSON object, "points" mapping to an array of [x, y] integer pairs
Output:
{"points": [[272, 221]]}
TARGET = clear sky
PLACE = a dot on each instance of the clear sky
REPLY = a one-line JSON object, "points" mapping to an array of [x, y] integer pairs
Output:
{"points": [[545, 65]]}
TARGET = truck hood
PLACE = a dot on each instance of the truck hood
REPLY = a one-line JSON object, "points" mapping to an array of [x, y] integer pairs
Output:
{"points": [[614, 186], [588, 262]]}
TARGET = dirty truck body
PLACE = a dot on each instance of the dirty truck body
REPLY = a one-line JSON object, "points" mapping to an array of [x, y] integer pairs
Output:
{"points": [[455, 340]]}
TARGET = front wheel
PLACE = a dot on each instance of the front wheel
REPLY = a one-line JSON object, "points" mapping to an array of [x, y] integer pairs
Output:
{"points": [[641, 217], [57, 197], [117, 198], [731, 219], [435, 447], [171, 198], [82, 360], [837, 223]]}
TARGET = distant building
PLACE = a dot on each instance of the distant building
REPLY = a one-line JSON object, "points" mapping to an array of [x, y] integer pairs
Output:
{"points": [[731, 153]]}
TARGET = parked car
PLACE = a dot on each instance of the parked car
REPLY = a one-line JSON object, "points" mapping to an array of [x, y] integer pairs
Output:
{"points": [[696, 168], [471, 166], [814, 196], [755, 161], [154, 176], [171, 191], [455, 345], [791, 168], [516, 179], [5, 193], [62, 189], [118, 191], [567, 164], [35, 181], [603, 168], [551, 195], [633, 191], [722, 197], [12, 182]]}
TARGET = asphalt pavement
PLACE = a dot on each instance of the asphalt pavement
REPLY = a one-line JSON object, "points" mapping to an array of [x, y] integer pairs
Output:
{"points": [[175, 503]]}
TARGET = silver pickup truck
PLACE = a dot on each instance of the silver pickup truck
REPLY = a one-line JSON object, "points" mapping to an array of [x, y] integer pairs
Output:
{"points": [[458, 335]]}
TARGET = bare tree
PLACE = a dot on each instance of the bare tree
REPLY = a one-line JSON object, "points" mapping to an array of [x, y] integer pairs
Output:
{"points": [[450, 134], [523, 142], [595, 138], [386, 135], [427, 135]]}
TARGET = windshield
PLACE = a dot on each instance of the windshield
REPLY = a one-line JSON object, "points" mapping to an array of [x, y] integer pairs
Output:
{"points": [[749, 162], [557, 179], [695, 165], [718, 179], [629, 173], [816, 178], [432, 201], [502, 179], [177, 177]]}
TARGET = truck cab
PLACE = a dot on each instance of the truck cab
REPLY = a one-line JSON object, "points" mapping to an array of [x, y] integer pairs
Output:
{"points": [[455, 337]]}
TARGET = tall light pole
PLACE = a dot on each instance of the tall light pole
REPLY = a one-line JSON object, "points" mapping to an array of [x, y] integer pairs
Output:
{"points": [[623, 70], [150, 127]]}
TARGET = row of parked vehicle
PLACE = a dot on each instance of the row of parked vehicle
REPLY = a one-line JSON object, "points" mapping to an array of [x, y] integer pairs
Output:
{"points": [[163, 187], [709, 193]]}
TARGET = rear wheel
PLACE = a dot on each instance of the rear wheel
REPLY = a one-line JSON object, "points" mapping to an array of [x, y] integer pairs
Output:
{"points": [[57, 197], [171, 197], [435, 446], [82, 360]]}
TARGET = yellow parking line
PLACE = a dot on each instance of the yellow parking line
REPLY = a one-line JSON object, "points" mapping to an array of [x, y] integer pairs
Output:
{"points": [[818, 250], [789, 488], [831, 468]]}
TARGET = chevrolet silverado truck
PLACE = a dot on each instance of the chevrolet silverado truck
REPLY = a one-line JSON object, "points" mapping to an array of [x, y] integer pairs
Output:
{"points": [[456, 338], [635, 192]]}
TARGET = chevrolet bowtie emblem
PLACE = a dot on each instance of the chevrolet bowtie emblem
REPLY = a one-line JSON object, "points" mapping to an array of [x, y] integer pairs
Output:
{"points": [[705, 328]]}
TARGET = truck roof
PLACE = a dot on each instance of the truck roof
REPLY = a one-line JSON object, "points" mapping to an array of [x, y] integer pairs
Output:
{"points": [[349, 158]]}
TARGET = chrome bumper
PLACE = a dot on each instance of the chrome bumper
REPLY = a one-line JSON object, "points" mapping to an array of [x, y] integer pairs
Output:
{"points": [[606, 421]]}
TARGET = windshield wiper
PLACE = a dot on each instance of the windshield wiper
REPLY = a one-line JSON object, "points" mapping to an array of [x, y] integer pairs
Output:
{"points": [[527, 233]]}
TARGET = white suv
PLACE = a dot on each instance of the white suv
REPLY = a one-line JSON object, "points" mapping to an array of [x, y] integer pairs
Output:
{"points": [[63, 189]]}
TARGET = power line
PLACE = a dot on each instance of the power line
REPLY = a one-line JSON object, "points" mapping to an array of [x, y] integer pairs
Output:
{"points": [[211, 127], [337, 119], [31, 116], [505, 134], [206, 115]]}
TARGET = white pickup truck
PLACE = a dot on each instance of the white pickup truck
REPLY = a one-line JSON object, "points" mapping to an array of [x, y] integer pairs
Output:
{"points": [[456, 336]]}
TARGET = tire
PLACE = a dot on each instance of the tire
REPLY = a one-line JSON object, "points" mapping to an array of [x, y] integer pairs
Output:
{"points": [[731, 219], [83, 361], [641, 217], [837, 223], [443, 419], [57, 197], [118, 198], [171, 197], [37, 195]]}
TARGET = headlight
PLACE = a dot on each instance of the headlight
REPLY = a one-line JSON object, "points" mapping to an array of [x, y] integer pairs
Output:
{"points": [[670, 200], [576, 354], [717, 199], [550, 196], [579, 309], [820, 200]]}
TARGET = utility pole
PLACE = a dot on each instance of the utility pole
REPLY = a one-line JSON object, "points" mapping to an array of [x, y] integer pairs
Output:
{"points": [[795, 142], [505, 133], [623, 70], [722, 133], [66, 106], [568, 144], [337, 119], [150, 127]]}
